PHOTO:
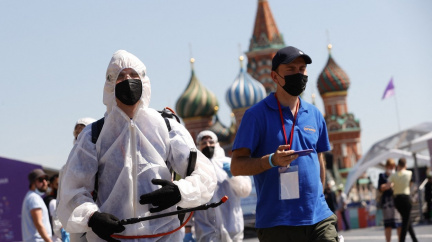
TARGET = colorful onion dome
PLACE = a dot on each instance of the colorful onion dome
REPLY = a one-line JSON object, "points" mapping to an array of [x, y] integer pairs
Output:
{"points": [[196, 100], [222, 132], [332, 78], [245, 91]]}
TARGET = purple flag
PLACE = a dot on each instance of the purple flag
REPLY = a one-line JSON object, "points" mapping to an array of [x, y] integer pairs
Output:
{"points": [[389, 91]]}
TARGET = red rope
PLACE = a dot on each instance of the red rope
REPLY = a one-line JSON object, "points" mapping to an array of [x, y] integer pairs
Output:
{"points": [[118, 236]]}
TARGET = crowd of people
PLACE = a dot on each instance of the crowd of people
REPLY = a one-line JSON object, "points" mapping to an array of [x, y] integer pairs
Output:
{"points": [[136, 162]]}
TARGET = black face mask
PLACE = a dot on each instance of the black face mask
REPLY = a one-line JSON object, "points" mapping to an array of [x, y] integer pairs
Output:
{"points": [[208, 151], [129, 91], [295, 84]]}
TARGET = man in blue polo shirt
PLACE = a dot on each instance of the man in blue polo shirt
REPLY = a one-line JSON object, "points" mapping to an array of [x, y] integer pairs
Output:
{"points": [[291, 205]]}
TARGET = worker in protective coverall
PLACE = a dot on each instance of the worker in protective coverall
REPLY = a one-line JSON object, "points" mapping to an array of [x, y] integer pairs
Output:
{"points": [[131, 160], [223, 223], [80, 125]]}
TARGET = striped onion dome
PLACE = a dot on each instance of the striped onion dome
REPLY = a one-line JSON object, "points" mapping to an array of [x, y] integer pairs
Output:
{"points": [[223, 133], [245, 91], [332, 78], [196, 100]]}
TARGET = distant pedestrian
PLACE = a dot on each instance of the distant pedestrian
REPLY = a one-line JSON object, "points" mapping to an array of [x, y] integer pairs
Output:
{"points": [[35, 225], [51, 203], [400, 181], [343, 206], [390, 215], [330, 197]]}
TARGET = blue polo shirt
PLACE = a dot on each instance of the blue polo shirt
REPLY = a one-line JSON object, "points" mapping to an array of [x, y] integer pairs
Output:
{"points": [[261, 132]]}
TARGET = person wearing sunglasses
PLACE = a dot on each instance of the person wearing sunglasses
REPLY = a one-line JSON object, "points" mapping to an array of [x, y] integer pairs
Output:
{"points": [[35, 224]]}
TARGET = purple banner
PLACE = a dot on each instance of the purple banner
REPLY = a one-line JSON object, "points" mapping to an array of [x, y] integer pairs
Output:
{"points": [[13, 187]]}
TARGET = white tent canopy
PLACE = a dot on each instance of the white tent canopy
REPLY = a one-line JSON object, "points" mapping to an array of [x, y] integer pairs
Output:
{"points": [[402, 144]]}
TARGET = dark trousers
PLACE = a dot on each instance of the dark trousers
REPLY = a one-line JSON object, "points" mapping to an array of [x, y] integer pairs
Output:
{"points": [[429, 210], [324, 231], [347, 227], [403, 205]]}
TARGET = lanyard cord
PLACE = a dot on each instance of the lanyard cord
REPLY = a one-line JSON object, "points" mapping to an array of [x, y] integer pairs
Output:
{"points": [[283, 123]]}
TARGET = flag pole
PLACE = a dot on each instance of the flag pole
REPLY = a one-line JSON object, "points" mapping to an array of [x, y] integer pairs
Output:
{"points": [[397, 112], [388, 92], [397, 109]]}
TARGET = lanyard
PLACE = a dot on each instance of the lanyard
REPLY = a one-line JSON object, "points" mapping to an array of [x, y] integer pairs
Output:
{"points": [[283, 123]]}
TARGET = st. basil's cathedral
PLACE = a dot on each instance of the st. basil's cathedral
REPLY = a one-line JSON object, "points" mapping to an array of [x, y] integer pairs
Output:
{"points": [[198, 106]]}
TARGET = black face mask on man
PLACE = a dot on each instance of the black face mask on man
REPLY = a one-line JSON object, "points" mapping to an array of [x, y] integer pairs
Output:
{"points": [[129, 91], [295, 84], [208, 151]]}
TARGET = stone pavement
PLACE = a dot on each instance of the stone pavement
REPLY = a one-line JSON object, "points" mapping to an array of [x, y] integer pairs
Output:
{"points": [[371, 234]]}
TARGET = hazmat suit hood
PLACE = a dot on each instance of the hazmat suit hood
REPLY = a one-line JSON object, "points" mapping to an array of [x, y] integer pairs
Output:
{"points": [[121, 60], [85, 121], [205, 133], [219, 152]]}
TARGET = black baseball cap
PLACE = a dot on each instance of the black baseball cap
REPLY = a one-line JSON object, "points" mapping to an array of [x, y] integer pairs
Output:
{"points": [[35, 174], [288, 54]]}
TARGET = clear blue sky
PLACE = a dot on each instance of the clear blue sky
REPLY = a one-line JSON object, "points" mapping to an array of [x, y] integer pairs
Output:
{"points": [[54, 56]]}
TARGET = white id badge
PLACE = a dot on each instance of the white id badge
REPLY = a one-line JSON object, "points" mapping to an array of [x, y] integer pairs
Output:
{"points": [[289, 183]]}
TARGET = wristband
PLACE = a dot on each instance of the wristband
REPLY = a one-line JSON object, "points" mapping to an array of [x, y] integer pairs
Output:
{"points": [[270, 162]]}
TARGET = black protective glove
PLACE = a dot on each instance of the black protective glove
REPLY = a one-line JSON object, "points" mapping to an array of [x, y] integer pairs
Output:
{"points": [[104, 225], [163, 198]]}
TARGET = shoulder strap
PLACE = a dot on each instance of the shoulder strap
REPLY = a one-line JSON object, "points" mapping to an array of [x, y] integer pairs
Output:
{"points": [[96, 129], [167, 113], [192, 161]]}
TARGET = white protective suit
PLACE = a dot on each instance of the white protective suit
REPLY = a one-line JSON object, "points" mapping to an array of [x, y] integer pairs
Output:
{"points": [[223, 223], [128, 154]]}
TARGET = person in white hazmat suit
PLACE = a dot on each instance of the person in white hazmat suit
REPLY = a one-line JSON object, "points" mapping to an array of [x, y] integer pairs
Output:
{"points": [[131, 159], [78, 128], [223, 223], [80, 125]]}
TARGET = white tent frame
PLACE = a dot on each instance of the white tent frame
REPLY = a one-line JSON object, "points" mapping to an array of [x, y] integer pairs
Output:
{"points": [[407, 143]]}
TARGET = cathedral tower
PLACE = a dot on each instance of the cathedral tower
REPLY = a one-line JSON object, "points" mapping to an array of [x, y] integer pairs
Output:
{"points": [[265, 42], [343, 127]]}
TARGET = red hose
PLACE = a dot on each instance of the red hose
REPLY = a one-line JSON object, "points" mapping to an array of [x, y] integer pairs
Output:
{"points": [[118, 236]]}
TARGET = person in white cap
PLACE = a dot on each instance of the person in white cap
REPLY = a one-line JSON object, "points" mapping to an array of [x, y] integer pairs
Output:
{"points": [[223, 223], [130, 165]]}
